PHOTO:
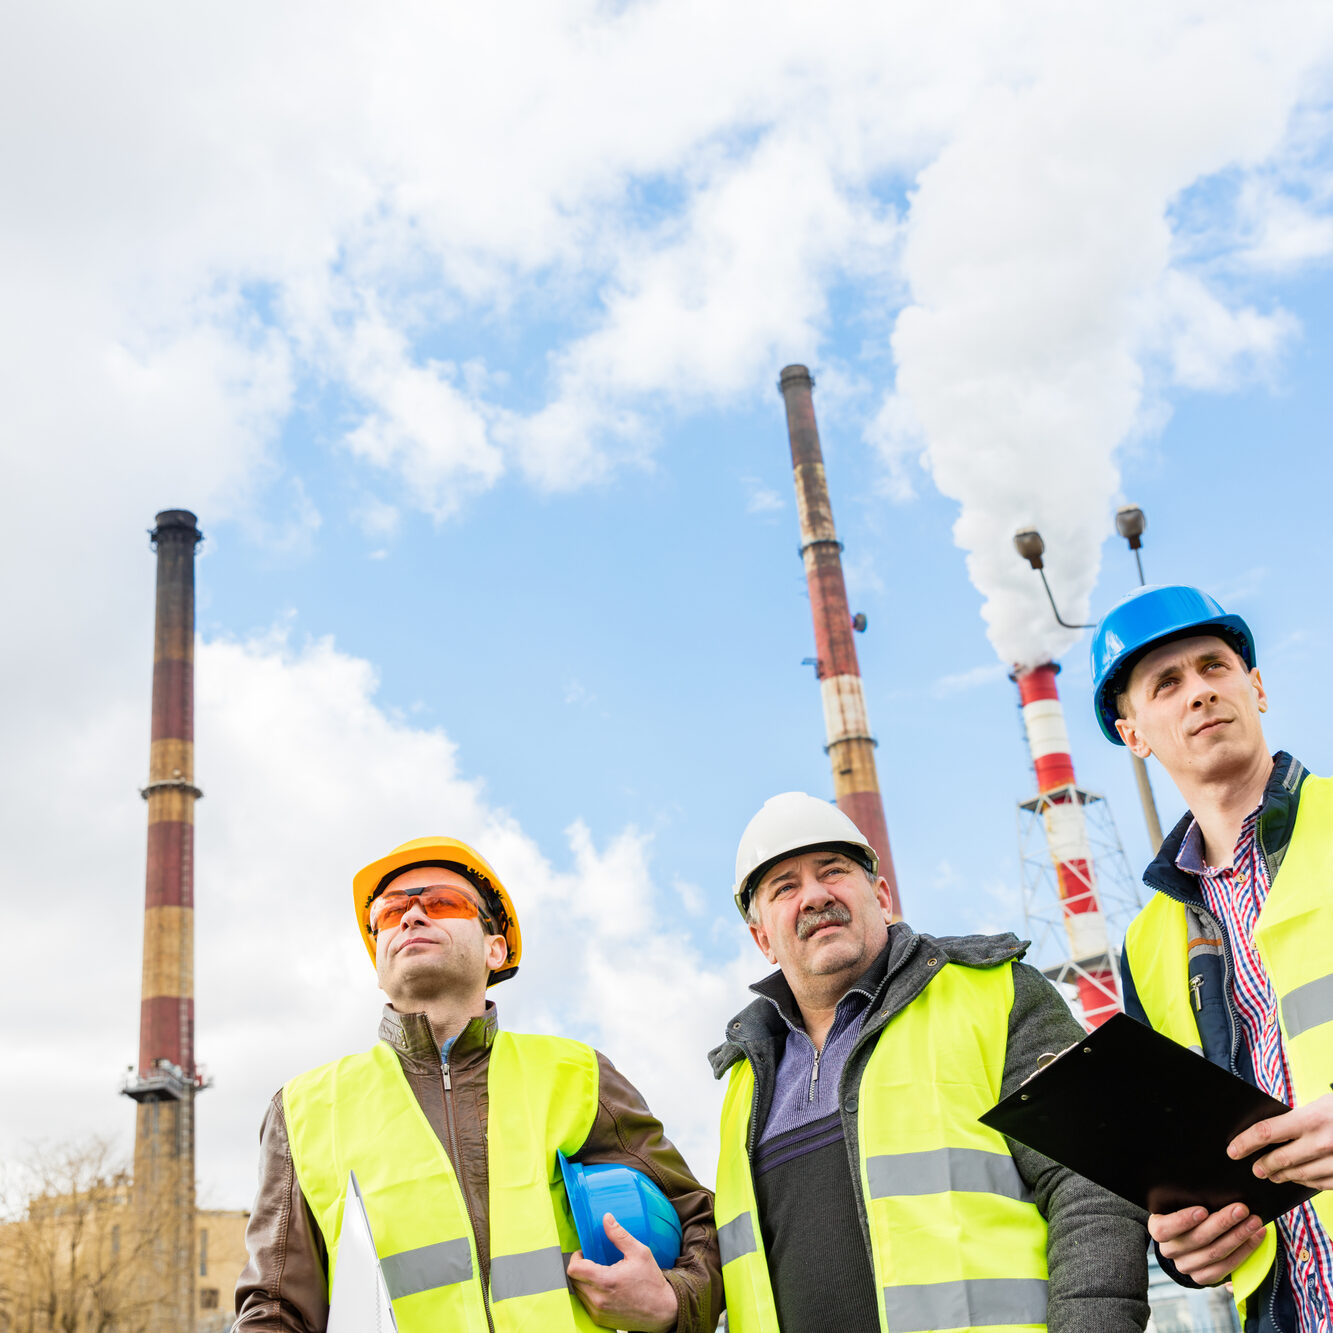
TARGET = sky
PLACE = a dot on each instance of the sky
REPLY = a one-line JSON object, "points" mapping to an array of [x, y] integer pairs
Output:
{"points": [[460, 329]]}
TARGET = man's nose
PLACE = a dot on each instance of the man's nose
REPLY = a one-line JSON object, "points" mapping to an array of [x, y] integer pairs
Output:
{"points": [[1204, 693], [415, 912], [814, 894]]}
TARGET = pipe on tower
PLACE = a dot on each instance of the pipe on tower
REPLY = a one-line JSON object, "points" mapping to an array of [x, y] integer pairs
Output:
{"points": [[167, 1080], [1067, 837], [851, 747]]}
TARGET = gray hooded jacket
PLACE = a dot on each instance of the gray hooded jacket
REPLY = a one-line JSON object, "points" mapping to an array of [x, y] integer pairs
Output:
{"points": [[1097, 1243]]}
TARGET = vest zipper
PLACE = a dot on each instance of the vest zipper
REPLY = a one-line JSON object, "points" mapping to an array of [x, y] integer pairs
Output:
{"points": [[1196, 986], [458, 1171], [1228, 967]]}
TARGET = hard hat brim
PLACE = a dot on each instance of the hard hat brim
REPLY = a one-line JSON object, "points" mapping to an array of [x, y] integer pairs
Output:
{"points": [[862, 853]]}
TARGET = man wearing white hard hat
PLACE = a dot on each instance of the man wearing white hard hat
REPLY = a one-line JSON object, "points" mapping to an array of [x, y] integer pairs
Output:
{"points": [[495, 1168], [856, 1188]]}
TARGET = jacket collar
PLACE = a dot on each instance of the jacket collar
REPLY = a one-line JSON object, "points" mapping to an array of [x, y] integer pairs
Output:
{"points": [[1277, 816], [909, 962], [412, 1037], [778, 993]]}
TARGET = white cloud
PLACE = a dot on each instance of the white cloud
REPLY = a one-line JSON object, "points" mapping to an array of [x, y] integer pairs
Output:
{"points": [[670, 191], [761, 499], [420, 426], [958, 682], [377, 518], [1038, 254]]}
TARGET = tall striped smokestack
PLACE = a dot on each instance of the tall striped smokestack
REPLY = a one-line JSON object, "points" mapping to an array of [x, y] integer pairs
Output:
{"points": [[851, 747], [166, 1080], [1067, 836]]}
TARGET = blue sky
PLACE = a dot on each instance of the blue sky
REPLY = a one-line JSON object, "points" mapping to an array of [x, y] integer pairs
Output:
{"points": [[474, 395]]}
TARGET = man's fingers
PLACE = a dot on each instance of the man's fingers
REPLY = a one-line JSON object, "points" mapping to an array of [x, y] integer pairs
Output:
{"points": [[620, 1238], [1213, 1273], [1167, 1226], [1275, 1130], [1194, 1228], [580, 1269], [1212, 1249]]}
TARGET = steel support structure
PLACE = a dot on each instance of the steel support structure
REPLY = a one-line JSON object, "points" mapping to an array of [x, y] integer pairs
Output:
{"points": [[851, 747]]}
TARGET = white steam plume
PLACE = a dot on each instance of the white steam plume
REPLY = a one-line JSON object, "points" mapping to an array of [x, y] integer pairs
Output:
{"points": [[1048, 297]]}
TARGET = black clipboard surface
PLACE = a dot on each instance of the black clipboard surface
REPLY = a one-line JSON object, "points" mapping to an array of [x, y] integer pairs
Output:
{"points": [[1148, 1120]]}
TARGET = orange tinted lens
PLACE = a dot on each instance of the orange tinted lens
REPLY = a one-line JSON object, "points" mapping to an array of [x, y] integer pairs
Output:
{"points": [[437, 900], [441, 901]]}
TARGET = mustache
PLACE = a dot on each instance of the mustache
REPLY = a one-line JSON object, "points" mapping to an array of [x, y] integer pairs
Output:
{"points": [[832, 915]]}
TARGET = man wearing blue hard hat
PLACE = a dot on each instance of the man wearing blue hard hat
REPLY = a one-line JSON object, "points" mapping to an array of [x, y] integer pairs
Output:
{"points": [[496, 1168], [856, 1188], [1233, 955]]}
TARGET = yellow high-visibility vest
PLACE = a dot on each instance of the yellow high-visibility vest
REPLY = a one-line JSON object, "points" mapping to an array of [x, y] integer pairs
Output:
{"points": [[1294, 936], [360, 1113], [956, 1240]]}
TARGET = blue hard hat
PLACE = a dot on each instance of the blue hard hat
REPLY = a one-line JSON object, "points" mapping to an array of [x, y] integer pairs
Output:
{"points": [[1149, 616], [635, 1202]]}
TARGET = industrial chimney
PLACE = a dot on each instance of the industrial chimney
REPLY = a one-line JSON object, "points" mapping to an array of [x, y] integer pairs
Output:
{"points": [[851, 747], [1061, 802], [166, 1081]]}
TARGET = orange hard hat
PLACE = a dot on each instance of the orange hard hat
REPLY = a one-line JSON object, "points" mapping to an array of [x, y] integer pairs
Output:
{"points": [[449, 852]]}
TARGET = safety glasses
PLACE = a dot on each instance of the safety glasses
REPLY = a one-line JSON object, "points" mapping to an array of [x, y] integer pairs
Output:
{"points": [[438, 901]]}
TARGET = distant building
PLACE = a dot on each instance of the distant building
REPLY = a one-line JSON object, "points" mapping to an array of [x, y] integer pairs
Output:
{"points": [[81, 1261]]}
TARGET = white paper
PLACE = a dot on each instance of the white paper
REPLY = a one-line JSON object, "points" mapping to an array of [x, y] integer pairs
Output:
{"points": [[360, 1301]]}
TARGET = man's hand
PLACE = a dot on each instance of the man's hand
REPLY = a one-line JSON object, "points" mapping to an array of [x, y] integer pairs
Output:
{"points": [[1307, 1136], [631, 1293], [1207, 1246]]}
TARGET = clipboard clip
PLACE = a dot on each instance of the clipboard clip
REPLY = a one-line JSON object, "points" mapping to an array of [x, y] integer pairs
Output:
{"points": [[1047, 1059]]}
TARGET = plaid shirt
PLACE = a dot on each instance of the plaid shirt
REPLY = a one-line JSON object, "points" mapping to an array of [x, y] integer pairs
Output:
{"points": [[1236, 896]]}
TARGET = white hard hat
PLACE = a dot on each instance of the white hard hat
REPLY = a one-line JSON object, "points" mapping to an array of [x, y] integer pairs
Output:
{"points": [[788, 824]]}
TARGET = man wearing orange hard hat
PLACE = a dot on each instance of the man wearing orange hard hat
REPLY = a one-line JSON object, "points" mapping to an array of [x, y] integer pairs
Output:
{"points": [[463, 1138]]}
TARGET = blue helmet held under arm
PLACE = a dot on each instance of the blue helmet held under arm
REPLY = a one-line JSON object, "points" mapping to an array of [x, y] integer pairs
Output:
{"points": [[1140, 621]]}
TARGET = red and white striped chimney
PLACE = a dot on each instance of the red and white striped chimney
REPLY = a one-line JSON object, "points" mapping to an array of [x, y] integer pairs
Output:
{"points": [[1067, 836]]}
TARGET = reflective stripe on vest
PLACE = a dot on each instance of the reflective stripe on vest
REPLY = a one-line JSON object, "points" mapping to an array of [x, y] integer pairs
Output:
{"points": [[1294, 935], [956, 1240], [360, 1112]]}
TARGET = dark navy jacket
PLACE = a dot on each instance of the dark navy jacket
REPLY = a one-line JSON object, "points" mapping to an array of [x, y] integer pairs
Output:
{"points": [[1272, 1309]]}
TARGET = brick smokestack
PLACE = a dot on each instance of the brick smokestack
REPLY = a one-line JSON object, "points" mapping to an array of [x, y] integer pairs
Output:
{"points": [[1067, 836], [166, 1080], [851, 747]]}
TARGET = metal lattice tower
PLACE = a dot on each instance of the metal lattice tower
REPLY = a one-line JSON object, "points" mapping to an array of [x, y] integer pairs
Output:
{"points": [[1078, 882], [1118, 890]]}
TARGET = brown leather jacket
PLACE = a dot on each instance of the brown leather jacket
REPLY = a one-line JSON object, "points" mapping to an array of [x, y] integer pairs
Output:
{"points": [[283, 1288]]}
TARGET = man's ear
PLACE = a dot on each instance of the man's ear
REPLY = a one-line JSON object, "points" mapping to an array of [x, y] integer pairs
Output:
{"points": [[1129, 733], [1261, 695], [760, 936], [497, 950], [885, 899]]}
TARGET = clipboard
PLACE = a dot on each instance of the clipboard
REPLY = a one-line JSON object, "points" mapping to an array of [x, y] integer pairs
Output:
{"points": [[359, 1302], [1148, 1120]]}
